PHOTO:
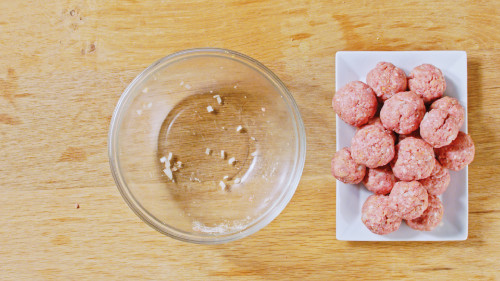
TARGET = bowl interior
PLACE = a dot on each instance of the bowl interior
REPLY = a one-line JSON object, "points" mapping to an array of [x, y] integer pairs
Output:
{"points": [[167, 111]]}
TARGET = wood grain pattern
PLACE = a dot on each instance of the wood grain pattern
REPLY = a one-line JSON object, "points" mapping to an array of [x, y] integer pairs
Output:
{"points": [[65, 63]]}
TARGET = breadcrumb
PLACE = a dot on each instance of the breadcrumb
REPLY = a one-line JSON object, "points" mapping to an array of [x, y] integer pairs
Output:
{"points": [[218, 98], [168, 172], [222, 185]]}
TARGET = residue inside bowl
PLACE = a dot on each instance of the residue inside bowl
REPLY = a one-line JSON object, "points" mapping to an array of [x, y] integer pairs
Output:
{"points": [[217, 138]]}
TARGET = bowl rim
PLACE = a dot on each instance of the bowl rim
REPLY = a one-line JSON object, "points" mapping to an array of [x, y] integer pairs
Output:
{"points": [[274, 209]]}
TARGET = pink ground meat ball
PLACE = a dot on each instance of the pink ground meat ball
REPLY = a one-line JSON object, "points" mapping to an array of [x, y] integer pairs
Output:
{"points": [[376, 121], [379, 180], [345, 169], [413, 160], [438, 128], [452, 107], [431, 217], [378, 217], [403, 112], [438, 181], [458, 154], [372, 147], [355, 103], [408, 199], [427, 81], [386, 80]]}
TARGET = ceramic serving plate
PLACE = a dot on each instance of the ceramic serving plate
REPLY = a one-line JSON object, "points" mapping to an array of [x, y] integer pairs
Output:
{"points": [[353, 65]]}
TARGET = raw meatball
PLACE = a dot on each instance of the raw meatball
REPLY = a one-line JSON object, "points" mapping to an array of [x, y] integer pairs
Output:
{"points": [[379, 180], [427, 81], [355, 103], [372, 147], [408, 199], [438, 181], [376, 121], [378, 216], [438, 128], [452, 107], [431, 217], [415, 134], [413, 159], [386, 80], [345, 169], [403, 112], [458, 154]]}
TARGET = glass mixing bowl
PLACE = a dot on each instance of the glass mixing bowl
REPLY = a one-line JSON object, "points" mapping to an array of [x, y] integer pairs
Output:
{"points": [[207, 145]]}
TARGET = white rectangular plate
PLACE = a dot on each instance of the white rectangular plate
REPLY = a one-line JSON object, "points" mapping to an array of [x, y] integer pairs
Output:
{"points": [[351, 66]]}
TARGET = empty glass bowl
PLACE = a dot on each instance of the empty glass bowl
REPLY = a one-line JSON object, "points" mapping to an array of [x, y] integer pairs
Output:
{"points": [[207, 145]]}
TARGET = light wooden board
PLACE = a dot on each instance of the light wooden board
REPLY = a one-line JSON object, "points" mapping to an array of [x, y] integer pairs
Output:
{"points": [[64, 64]]}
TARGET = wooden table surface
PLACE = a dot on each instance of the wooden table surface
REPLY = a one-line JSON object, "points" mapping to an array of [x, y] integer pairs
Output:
{"points": [[64, 64]]}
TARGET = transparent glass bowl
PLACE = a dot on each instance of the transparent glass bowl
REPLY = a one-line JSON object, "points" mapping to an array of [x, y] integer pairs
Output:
{"points": [[208, 198]]}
